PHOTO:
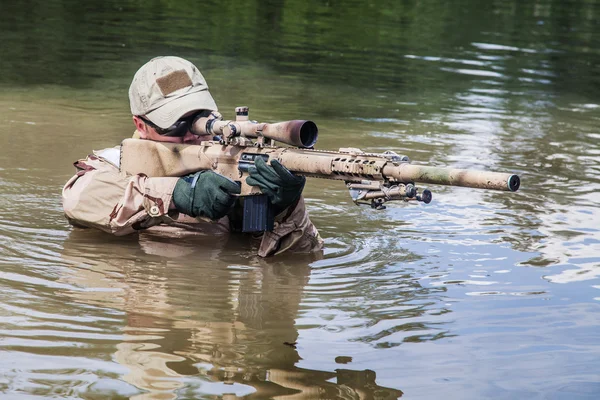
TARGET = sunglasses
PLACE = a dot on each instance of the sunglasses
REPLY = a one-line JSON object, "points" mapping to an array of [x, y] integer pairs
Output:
{"points": [[178, 129]]}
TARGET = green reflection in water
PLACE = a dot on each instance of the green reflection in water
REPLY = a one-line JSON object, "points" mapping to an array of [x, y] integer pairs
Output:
{"points": [[355, 43]]}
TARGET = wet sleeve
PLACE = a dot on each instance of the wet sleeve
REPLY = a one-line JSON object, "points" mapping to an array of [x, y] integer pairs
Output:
{"points": [[99, 196], [293, 232]]}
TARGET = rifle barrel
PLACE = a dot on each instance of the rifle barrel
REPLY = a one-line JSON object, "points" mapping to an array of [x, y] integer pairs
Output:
{"points": [[356, 167], [453, 176]]}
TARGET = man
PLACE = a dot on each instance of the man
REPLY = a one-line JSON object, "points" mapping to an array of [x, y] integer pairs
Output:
{"points": [[166, 94]]}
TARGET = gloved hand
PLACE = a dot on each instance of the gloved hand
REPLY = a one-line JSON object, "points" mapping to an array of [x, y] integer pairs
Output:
{"points": [[205, 194], [277, 182]]}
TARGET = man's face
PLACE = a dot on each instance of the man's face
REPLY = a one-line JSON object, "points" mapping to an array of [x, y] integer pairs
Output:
{"points": [[150, 133]]}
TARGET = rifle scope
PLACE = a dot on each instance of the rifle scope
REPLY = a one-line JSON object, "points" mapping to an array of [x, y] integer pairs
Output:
{"points": [[299, 133]]}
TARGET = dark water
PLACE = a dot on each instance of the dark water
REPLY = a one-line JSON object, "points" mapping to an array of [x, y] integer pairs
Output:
{"points": [[477, 295]]}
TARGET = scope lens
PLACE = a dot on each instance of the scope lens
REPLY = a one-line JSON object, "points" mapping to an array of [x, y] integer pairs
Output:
{"points": [[308, 134]]}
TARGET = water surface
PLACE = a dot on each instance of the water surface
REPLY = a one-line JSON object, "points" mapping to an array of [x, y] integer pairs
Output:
{"points": [[479, 294]]}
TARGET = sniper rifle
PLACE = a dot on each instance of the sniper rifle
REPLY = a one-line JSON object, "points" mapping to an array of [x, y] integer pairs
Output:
{"points": [[372, 178]]}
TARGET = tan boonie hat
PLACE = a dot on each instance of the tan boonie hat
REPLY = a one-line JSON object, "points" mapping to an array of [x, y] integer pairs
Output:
{"points": [[166, 88]]}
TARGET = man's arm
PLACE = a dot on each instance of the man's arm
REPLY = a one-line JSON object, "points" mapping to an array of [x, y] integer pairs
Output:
{"points": [[98, 196]]}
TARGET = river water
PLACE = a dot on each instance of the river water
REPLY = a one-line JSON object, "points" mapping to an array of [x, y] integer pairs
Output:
{"points": [[478, 295]]}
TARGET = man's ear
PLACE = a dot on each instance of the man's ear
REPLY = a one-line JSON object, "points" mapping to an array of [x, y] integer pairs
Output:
{"points": [[140, 126]]}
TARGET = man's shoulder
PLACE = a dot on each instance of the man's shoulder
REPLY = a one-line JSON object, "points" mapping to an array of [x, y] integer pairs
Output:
{"points": [[105, 159], [111, 155]]}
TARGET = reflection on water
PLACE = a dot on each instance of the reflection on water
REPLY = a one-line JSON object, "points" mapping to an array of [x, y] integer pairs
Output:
{"points": [[214, 327], [476, 295]]}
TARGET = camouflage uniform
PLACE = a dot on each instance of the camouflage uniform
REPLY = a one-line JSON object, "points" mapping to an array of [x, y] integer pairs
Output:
{"points": [[99, 196]]}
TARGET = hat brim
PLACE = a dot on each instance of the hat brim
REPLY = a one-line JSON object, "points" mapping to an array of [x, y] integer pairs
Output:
{"points": [[170, 112]]}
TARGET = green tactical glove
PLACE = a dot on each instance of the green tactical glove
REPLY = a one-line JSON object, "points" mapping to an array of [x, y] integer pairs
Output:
{"points": [[205, 194], [277, 182]]}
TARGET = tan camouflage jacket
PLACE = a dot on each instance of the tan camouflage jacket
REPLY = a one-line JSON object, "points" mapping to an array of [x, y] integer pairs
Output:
{"points": [[99, 196]]}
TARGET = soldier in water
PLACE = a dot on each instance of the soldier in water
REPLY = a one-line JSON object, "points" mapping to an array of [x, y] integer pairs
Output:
{"points": [[166, 95]]}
